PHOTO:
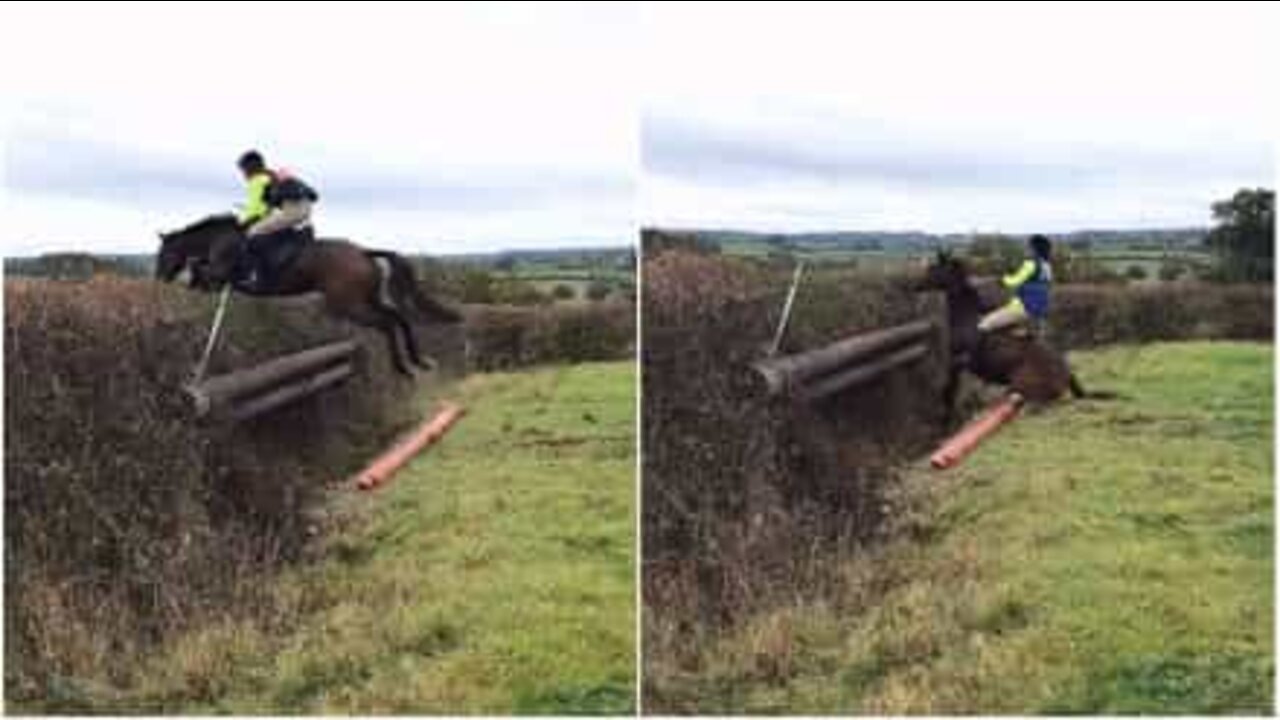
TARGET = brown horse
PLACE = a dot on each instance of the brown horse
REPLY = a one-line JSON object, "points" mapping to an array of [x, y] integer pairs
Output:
{"points": [[373, 288], [1017, 360]]}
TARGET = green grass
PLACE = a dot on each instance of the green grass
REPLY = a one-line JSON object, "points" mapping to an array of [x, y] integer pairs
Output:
{"points": [[495, 575], [1093, 557]]}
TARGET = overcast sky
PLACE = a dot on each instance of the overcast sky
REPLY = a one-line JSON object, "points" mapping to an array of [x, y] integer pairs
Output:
{"points": [[474, 127], [979, 117], [451, 128]]}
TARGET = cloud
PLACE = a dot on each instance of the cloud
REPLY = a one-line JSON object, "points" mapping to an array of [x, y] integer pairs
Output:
{"points": [[492, 124], [952, 116], [856, 152], [56, 164], [50, 163]]}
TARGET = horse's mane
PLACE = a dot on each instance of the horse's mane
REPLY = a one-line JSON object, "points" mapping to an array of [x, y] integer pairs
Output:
{"points": [[207, 222]]}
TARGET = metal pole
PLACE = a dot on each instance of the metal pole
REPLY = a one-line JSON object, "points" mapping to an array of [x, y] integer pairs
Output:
{"points": [[786, 309], [213, 334]]}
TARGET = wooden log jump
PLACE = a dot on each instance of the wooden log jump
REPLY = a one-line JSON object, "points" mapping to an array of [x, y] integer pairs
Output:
{"points": [[244, 394], [846, 363]]}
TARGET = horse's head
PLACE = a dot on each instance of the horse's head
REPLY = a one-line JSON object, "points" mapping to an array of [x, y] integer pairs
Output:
{"points": [[172, 257], [946, 273], [208, 247]]}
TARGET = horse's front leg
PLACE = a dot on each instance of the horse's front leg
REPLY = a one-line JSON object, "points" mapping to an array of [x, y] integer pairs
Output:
{"points": [[949, 391], [197, 275]]}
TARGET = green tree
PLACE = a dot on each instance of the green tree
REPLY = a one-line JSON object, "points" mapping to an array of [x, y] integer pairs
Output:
{"points": [[654, 241], [779, 257], [514, 291], [439, 278], [563, 292], [71, 266], [994, 254], [597, 290], [1245, 235], [1074, 265], [477, 286], [1171, 270], [1135, 272]]}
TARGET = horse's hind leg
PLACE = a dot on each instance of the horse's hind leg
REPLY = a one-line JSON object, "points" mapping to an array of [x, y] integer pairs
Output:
{"points": [[1077, 390], [388, 328], [369, 314], [389, 313], [378, 319], [411, 343], [382, 302]]}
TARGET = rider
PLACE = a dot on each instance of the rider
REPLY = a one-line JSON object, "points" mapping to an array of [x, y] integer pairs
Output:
{"points": [[277, 205], [1030, 285]]}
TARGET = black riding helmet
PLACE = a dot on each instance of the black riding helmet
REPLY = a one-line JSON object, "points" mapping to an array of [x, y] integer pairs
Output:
{"points": [[1041, 246], [251, 162]]}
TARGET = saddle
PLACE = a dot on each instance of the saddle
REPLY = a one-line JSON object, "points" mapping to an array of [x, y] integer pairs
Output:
{"points": [[271, 255], [1024, 333]]}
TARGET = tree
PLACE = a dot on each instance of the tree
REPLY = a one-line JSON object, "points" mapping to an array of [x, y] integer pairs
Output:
{"points": [[71, 265], [1073, 265], [563, 292], [1135, 272], [779, 257], [654, 241], [994, 254], [1245, 236], [597, 290], [1171, 270], [512, 291], [477, 286], [438, 278]]}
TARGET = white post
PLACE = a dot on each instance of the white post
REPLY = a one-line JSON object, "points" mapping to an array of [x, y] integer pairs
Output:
{"points": [[786, 309], [213, 335]]}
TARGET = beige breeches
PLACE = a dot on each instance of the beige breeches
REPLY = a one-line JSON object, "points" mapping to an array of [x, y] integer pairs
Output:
{"points": [[290, 214]]}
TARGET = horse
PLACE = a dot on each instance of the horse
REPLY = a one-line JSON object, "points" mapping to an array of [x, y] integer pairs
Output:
{"points": [[1012, 358], [373, 288]]}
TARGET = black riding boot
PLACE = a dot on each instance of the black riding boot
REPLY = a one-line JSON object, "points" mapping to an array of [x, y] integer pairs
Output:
{"points": [[253, 275]]}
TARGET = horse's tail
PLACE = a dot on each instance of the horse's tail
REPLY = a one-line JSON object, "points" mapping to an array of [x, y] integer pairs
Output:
{"points": [[404, 285], [1078, 391]]}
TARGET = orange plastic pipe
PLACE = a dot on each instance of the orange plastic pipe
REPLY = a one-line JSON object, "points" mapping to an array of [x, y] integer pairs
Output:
{"points": [[962, 443], [381, 469]]}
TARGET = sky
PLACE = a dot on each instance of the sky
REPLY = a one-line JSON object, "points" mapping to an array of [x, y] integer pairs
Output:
{"points": [[953, 117], [475, 127], [433, 128]]}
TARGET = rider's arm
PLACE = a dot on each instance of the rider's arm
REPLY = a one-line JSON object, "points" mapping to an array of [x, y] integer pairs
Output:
{"points": [[1021, 275], [255, 206]]}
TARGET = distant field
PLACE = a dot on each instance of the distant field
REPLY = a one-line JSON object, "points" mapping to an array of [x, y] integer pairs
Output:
{"points": [[1118, 259], [871, 260], [546, 273], [1149, 260], [546, 277]]}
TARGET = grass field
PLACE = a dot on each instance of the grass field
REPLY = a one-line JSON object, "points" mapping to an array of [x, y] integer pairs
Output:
{"points": [[1118, 260], [1094, 557], [495, 575], [881, 260]]}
